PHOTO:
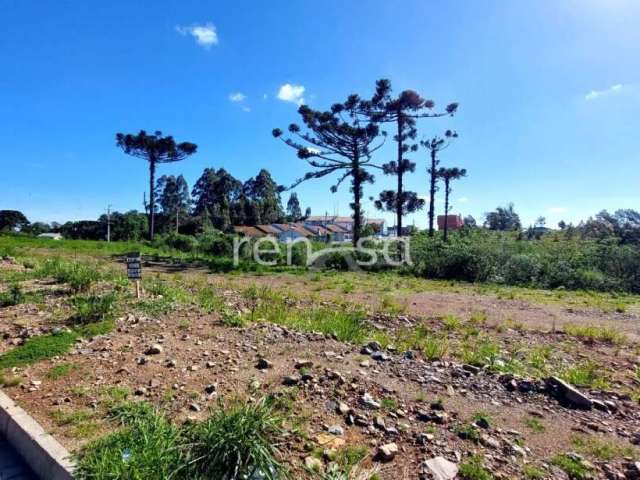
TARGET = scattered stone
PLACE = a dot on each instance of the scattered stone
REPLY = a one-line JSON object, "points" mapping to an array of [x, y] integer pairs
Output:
{"points": [[368, 401], [291, 380], [567, 394], [336, 430], [380, 356], [303, 364], [194, 407], [441, 469], [211, 388], [263, 364], [154, 349], [386, 453]]}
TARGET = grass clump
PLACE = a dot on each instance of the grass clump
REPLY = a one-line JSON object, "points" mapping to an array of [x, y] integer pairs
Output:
{"points": [[11, 297], [8, 381], [601, 448], [532, 472], [480, 353], [585, 374], [472, 469], [535, 425], [235, 442], [93, 308], [574, 467], [78, 276], [61, 370], [592, 333]]}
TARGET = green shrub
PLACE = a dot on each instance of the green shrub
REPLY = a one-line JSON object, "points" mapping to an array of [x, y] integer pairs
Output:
{"points": [[217, 245], [521, 269], [472, 469]]}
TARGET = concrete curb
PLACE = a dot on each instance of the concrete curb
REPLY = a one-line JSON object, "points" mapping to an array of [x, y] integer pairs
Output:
{"points": [[45, 456]]}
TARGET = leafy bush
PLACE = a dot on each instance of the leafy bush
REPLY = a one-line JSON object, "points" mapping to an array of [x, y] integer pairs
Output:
{"points": [[216, 245], [521, 269], [177, 241]]}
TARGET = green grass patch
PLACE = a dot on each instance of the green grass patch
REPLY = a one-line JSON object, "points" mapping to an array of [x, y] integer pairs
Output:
{"points": [[575, 468], [13, 296], [596, 333], [603, 449], [93, 308], [61, 370], [535, 425], [472, 469], [234, 442], [38, 348], [586, 374]]}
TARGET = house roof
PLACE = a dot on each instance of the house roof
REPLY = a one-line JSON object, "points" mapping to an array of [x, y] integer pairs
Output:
{"points": [[301, 229], [336, 219], [248, 231], [283, 227], [332, 227], [268, 229]]}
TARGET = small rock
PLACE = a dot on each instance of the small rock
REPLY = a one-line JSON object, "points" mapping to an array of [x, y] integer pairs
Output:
{"points": [[154, 349], [387, 452], [336, 430], [441, 469], [368, 401], [263, 364]]}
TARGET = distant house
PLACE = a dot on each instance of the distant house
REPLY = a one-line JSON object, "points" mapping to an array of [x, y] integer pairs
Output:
{"points": [[338, 233], [268, 230], [52, 236], [454, 222], [246, 231], [344, 222], [289, 232]]}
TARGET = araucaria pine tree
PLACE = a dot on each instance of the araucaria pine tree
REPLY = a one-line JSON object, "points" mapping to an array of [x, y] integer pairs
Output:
{"points": [[435, 146], [154, 149], [401, 111], [448, 174], [337, 141]]}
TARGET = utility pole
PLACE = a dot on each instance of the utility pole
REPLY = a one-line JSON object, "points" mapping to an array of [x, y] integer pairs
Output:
{"points": [[108, 223]]}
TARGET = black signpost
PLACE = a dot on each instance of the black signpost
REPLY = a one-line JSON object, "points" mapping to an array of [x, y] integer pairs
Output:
{"points": [[134, 269]]}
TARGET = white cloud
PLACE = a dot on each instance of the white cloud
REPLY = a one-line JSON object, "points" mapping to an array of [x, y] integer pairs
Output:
{"points": [[205, 35], [291, 93], [245, 108], [237, 97], [463, 200], [593, 94], [557, 209]]}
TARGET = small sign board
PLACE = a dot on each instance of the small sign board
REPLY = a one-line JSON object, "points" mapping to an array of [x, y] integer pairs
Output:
{"points": [[134, 266]]}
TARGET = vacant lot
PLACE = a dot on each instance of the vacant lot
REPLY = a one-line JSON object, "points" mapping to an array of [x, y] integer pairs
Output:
{"points": [[318, 374]]}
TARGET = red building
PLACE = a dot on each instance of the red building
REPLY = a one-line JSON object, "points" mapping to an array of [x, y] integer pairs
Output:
{"points": [[454, 222]]}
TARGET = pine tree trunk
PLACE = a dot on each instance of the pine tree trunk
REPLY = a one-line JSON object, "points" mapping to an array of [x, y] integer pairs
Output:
{"points": [[432, 192], [152, 196], [446, 209], [357, 193], [399, 174]]}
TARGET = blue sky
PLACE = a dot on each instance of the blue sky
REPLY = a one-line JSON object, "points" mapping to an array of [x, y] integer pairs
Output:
{"points": [[549, 94]]}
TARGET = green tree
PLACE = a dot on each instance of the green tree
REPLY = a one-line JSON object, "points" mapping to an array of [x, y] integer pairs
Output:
{"points": [[154, 149], [12, 220], [265, 194], [173, 197], [294, 212], [447, 175], [214, 195], [337, 141], [402, 111], [503, 218], [435, 146]]}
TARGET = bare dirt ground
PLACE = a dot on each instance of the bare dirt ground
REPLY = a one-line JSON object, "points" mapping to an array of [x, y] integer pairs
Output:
{"points": [[339, 395]]}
